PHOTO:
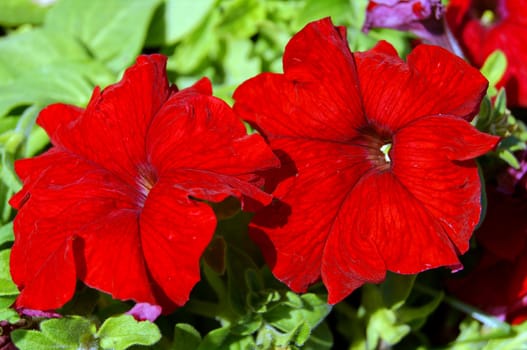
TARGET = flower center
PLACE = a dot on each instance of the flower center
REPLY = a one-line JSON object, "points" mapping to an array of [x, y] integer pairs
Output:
{"points": [[377, 146], [145, 180], [489, 12], [385, 149]]}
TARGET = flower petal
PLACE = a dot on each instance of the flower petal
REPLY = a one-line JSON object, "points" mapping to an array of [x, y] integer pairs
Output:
{"points": [[302, 217], [74, 195], [318, 104], [460, 85], [392, 103], [175, 231], [115, 119], [181, 137], [119, 272], [432, 160]]}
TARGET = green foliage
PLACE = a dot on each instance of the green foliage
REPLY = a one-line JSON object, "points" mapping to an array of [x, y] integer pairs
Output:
{"points": [[387, 313], [113, 32], [116, 333], [186, 337], [19, 12], [172, 21], [493, 69], [123, 331]]}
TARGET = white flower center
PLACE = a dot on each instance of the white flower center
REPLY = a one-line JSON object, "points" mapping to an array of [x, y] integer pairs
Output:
{"points": [[385, 149]]}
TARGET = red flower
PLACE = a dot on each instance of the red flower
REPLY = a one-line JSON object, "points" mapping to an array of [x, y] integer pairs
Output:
{"points": [[385, 177], [498, 284], [118, 201], [485, 26]]}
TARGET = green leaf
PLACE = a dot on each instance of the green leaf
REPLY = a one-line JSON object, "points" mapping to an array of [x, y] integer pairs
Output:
{"points": [[222, 339], [383, 324], [310, 308], [320, 339], [175, 19], [9, 315], [36, 49], [17, 12], [7, 172], [242, 18], [44, 86], [186, 337], [493, 69], [509, 157], [6, 234], [113, 31], [34, 340], [70, 333], [338, 10], [121, 332], [396, 288], [415, 316], [196, 47], [7, 286], [6, 301]]}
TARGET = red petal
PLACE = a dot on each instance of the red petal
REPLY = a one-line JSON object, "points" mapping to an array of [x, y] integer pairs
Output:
{"points": [[433, 82], [52, 194], [300, 220], [432, 160], [112, 257], [175, 231], [181, 137], [460, 86], [318, 92], [116, 119]]}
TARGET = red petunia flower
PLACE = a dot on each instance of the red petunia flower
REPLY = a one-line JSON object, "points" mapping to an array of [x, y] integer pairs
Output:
{"points": [[485, 26], [118, 201], [383, 154], [498, 283]]}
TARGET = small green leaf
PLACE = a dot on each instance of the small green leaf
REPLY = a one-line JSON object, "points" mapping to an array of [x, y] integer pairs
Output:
{"points": [[6, 233], [6, 301], [509, 157], [186, 337], [9, 315], [121, 332], [396, 288], [383, 324], [494, 68], [7, 287], [223, 339]]}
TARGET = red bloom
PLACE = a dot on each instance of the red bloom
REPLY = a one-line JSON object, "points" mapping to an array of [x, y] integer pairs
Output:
{"points": [[385, 177], [481, 35], [498, 284], [117, 202]]}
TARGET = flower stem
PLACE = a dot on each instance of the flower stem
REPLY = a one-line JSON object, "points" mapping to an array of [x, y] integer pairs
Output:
{"points": [[475, 313]]}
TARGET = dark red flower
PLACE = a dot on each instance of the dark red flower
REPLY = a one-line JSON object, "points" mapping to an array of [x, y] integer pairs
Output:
{"points": [[118, 202], [384, 157], [498, 283], [485, 26]]}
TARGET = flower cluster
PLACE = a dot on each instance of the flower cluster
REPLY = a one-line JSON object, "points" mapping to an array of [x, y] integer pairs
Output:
{"points": [[485, 26], [367, 162]]}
